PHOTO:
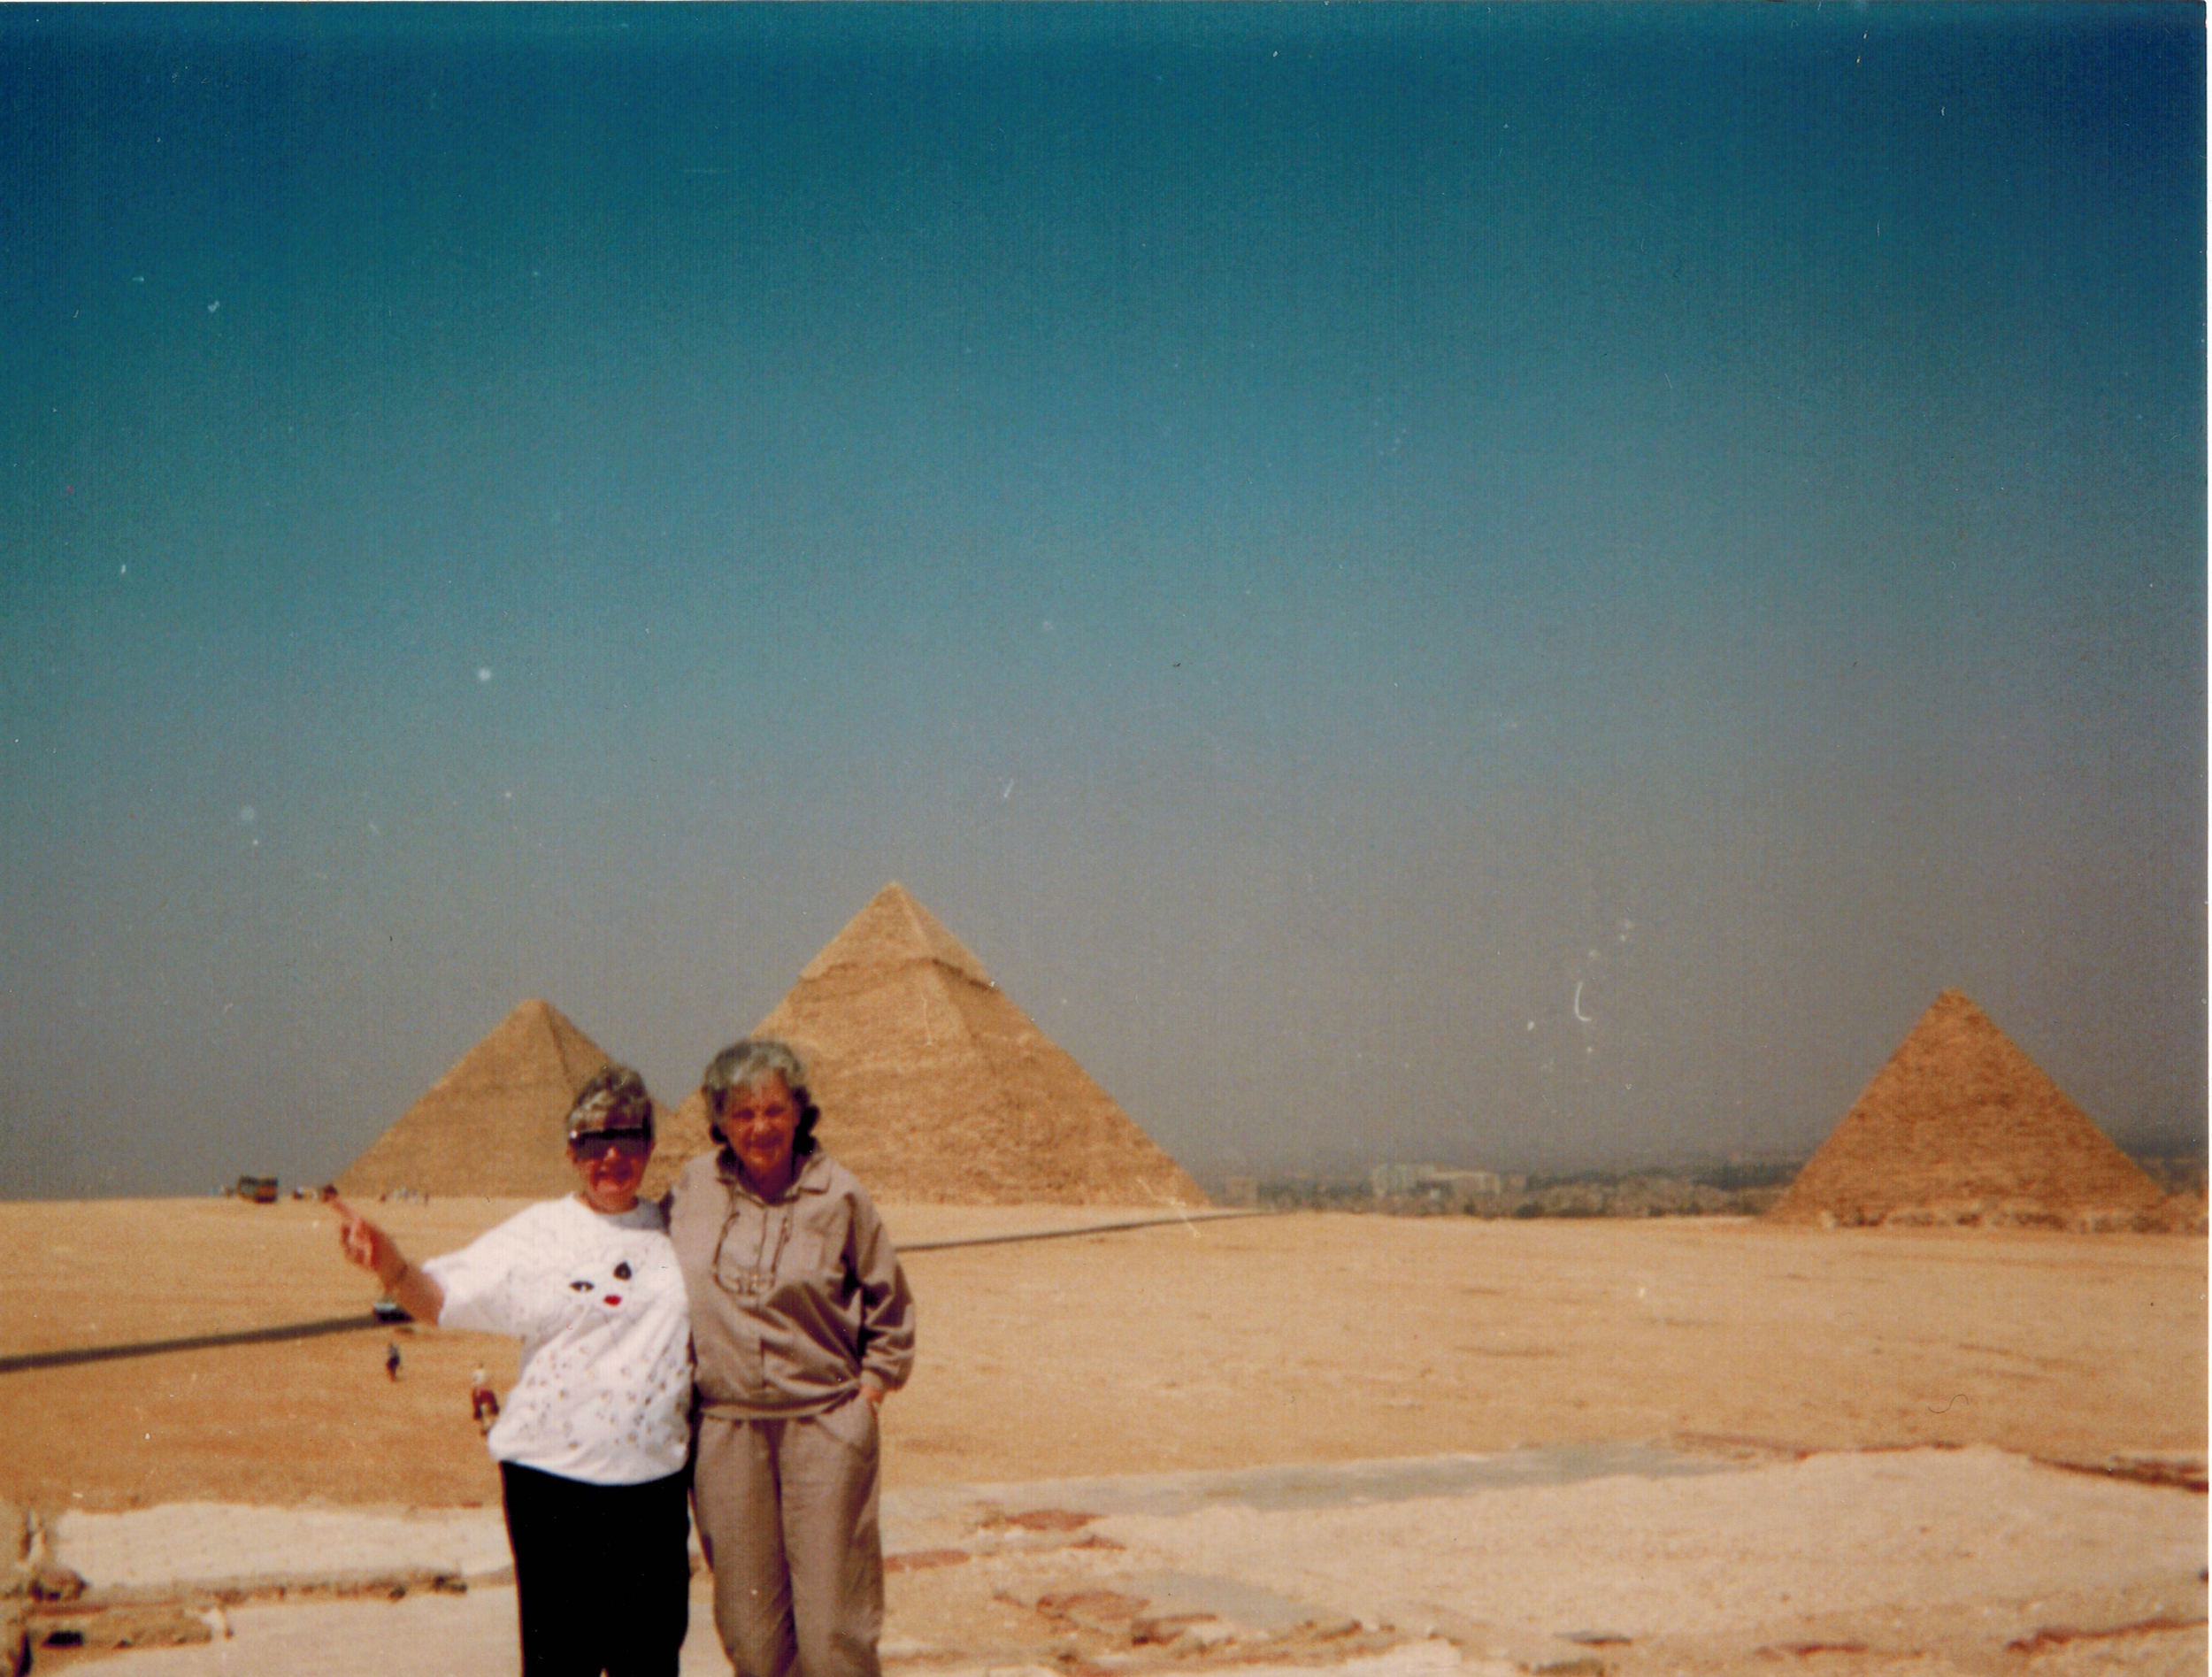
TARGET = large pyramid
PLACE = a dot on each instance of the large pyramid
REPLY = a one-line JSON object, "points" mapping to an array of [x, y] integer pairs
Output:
{"points": [[492, 1125], [1960, 1127], [935, 1086]]}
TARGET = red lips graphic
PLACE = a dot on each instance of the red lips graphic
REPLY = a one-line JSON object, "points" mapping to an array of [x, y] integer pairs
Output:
{"points": [[611, 1298]]}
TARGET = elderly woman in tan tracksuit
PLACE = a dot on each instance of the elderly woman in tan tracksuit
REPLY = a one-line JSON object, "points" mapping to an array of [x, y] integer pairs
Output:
{"points": [[801, 1322]]}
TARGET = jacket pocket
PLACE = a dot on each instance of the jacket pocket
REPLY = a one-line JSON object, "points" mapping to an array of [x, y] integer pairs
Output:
{"points": [[807, 1252]]}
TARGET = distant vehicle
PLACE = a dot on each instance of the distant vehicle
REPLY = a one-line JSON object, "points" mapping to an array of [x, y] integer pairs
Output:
{"points": [[262, 1190], [388, 1308]]}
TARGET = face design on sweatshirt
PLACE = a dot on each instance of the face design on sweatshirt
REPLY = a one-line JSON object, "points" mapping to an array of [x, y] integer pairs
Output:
{"points": [[604, 1289]]}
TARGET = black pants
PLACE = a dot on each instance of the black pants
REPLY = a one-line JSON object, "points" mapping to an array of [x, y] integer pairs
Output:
{"points": [[602, 1576]]}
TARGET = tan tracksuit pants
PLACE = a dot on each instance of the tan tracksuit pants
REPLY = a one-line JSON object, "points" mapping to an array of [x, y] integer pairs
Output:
{"points": [[786, 1515]]}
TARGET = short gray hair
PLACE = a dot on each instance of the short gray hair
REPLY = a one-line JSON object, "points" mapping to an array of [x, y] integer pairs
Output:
{"points": [[754, 1059]]}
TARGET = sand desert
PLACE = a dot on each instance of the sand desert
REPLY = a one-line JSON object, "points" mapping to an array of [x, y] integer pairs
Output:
{"points": [[1920, 1419], [1916, 1436]]}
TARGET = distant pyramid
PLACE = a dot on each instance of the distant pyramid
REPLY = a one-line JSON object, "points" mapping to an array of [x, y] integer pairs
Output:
{"points": [[1960, 1127], [492, 1125], [935, 1086]]}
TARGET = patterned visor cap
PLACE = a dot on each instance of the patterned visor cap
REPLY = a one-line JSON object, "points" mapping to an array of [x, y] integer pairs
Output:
{"points": [[612, 1111]]}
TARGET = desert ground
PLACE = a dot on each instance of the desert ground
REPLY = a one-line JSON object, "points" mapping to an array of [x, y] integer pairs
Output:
{"points": [[1883, 1384]]}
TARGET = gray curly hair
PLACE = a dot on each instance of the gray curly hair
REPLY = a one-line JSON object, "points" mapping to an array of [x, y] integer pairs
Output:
{"points": [[754, 1059]]}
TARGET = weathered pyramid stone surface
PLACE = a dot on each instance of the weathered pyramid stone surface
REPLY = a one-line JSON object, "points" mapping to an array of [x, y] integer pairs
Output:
{"points": [[1962, 1128], [492, 1125], [935, 1086], [679, 1137]]}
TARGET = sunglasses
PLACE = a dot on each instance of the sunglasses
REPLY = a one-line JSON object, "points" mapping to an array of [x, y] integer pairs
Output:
{"points": [[626, 1140]]}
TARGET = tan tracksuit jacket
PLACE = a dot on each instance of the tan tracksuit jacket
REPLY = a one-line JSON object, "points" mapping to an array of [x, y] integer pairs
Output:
{"points": [[791, 1300]]}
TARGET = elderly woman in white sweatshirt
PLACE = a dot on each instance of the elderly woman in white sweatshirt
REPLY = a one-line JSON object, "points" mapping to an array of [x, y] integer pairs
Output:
{"points": [[595, 1439]]}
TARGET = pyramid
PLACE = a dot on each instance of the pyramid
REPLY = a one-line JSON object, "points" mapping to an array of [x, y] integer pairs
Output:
{"points": [[492, 1125], [1962, 1126], [935, 1086]]}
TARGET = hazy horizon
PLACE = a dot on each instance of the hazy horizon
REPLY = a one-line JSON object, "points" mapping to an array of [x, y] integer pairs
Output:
{"points": [[1516, 585]]}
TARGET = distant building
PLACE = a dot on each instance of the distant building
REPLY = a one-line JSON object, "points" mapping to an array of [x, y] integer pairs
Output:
{"points": [[1436, 1180]]}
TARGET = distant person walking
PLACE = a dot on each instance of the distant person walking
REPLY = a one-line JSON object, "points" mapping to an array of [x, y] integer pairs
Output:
{"points": [[391, 1360], [483, 1400], [592, 1445], [801, 1322]]}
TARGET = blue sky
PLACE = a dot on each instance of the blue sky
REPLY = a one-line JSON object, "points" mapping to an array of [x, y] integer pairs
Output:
{"points": [[1514, 585]]}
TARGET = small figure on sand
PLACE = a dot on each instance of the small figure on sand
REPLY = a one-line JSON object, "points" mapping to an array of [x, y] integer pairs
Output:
{"points": [[391, 1360], [483, 1400]]}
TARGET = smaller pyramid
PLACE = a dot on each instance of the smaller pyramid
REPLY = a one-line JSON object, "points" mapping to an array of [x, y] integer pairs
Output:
{"points": [[492, 1125], [1961, 1127], [934, 1087]]}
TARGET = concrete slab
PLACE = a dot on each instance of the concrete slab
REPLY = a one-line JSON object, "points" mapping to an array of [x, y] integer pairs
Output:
{"points": [[207, 1551], [213, 1548], [1632, 1561], [473, 1635], [216, 1547], [1304, 1485], [425, 1635]]}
